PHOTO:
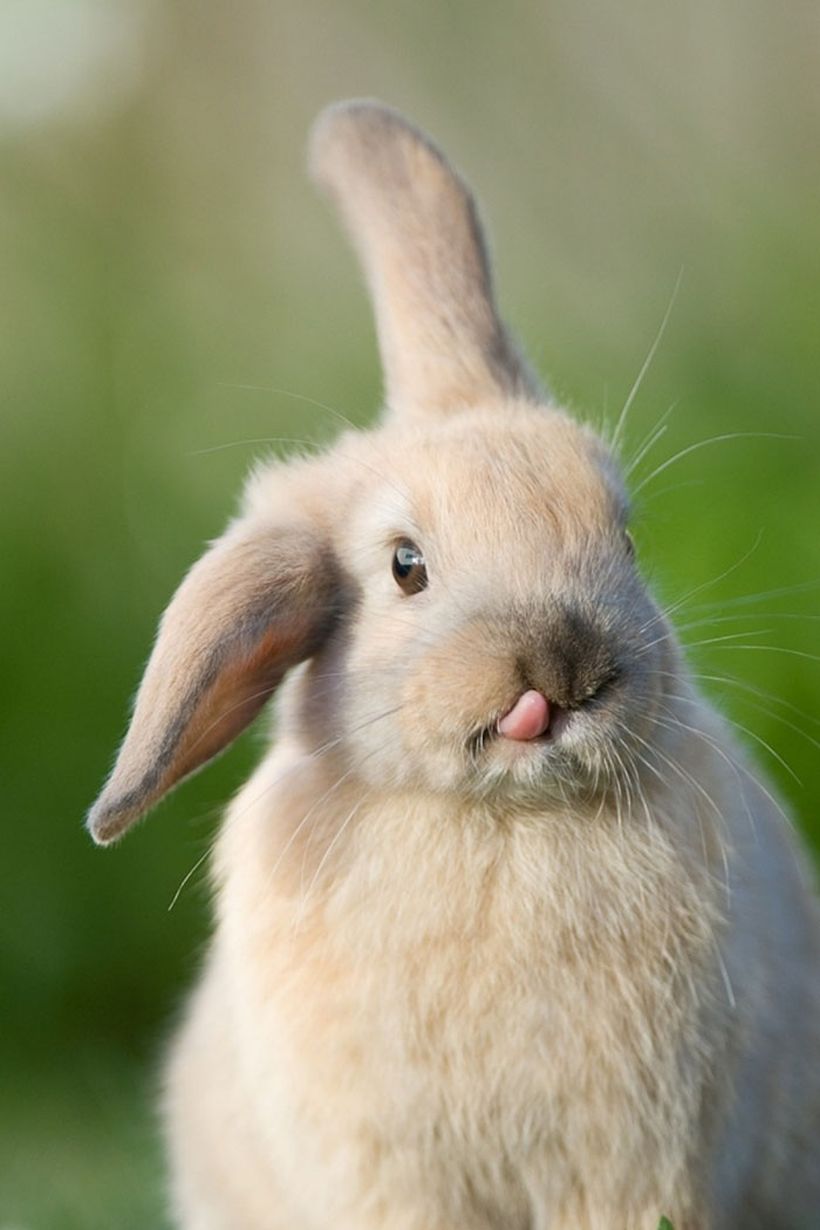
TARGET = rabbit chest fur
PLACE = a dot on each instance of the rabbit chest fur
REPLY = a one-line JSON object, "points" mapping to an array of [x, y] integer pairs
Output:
{"points": [[509, 936], [462, 1025], [442, 1021]]}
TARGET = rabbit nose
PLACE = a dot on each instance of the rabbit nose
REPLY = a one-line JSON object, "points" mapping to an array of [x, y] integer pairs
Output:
{"points": [[570, 659], [528, 718]]}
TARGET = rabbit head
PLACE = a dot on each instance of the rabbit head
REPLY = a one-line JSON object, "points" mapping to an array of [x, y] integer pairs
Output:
{"points": [[456, 587]]}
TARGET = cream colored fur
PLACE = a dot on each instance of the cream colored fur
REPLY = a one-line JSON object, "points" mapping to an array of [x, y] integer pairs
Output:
{"points": [[458, 983]]}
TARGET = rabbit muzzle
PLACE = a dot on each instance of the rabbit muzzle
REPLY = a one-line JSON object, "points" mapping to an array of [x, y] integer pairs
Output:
{"points": [[555, 690], [567, 663], [567, 657]]}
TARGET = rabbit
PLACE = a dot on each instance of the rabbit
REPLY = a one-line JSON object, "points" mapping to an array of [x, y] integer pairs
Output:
{"points": [[508, 932]]}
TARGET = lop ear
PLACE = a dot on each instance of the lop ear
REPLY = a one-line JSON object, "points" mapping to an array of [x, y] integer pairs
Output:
{"points": [[260, 601], [417, 232]]}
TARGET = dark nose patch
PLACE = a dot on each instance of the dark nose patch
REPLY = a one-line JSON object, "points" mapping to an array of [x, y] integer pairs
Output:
{"points": [[568, 656]]}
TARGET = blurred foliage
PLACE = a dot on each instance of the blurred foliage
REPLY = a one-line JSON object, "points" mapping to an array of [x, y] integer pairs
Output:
{"points": [[172, 289], [79, 1147]]}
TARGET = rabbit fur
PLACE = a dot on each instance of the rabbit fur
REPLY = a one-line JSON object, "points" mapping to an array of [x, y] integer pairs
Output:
{"points": [[459, 980]]}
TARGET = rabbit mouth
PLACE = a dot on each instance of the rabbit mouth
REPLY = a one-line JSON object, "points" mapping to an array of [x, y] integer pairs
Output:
{"points": [[553, 733], [490, 734]]}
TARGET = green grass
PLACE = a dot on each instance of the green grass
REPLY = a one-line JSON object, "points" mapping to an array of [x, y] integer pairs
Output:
{"points": [[80, 1147]]}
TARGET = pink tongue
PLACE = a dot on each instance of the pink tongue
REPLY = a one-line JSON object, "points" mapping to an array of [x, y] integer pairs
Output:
{"points": [[528, 718]]}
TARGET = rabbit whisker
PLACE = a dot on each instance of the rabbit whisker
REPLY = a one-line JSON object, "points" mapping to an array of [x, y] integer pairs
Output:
{"points": [[314, 756], [305, 894], [617, 435], [650, 440], [301, 397], [749, 599], [346, 776], [677, 723], [300, 441], [690, 780], [796, 653], [744, 686], [691, 448], [668, 611], [733, 618], [752, 735]]}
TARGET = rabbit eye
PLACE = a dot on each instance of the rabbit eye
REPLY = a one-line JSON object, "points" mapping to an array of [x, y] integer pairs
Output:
{"points": [[409, 567]]}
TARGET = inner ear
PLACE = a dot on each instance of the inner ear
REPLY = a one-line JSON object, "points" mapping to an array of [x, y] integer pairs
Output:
{"points": [[259, 602]]}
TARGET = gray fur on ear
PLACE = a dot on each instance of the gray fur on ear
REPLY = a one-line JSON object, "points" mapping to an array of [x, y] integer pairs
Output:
{"points": [[259, 602], [417, 232]]}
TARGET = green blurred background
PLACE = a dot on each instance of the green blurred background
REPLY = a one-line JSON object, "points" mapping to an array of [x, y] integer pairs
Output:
{"points": [[171, 288]]}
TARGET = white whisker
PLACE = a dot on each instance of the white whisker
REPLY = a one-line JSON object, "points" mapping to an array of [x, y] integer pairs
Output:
{"points": [[617, 435]]}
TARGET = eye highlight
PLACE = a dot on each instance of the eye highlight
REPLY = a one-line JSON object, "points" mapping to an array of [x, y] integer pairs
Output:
{"points": [[409, 568]]}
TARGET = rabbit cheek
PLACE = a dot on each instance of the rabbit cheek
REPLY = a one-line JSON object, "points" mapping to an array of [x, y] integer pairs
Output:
{"points": [[657, 671], [455, 689]]}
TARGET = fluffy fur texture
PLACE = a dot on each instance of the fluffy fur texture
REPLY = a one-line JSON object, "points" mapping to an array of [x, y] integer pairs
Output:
{"points": [[460, 981]]}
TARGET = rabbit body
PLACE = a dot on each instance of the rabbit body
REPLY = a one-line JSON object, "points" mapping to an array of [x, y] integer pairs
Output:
{"points": [[508, 933], [474, 1025]]}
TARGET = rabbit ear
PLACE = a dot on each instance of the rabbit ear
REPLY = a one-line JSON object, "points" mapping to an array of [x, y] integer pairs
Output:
{"points": [[415, 226], [255, 605]]}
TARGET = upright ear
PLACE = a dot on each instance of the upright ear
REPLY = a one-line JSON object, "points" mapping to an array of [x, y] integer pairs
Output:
{"points": [[260, 601], [416, 228]]}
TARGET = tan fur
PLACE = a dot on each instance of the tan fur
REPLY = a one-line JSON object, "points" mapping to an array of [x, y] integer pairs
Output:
{"points": [[458, 982], [416, 228]]}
